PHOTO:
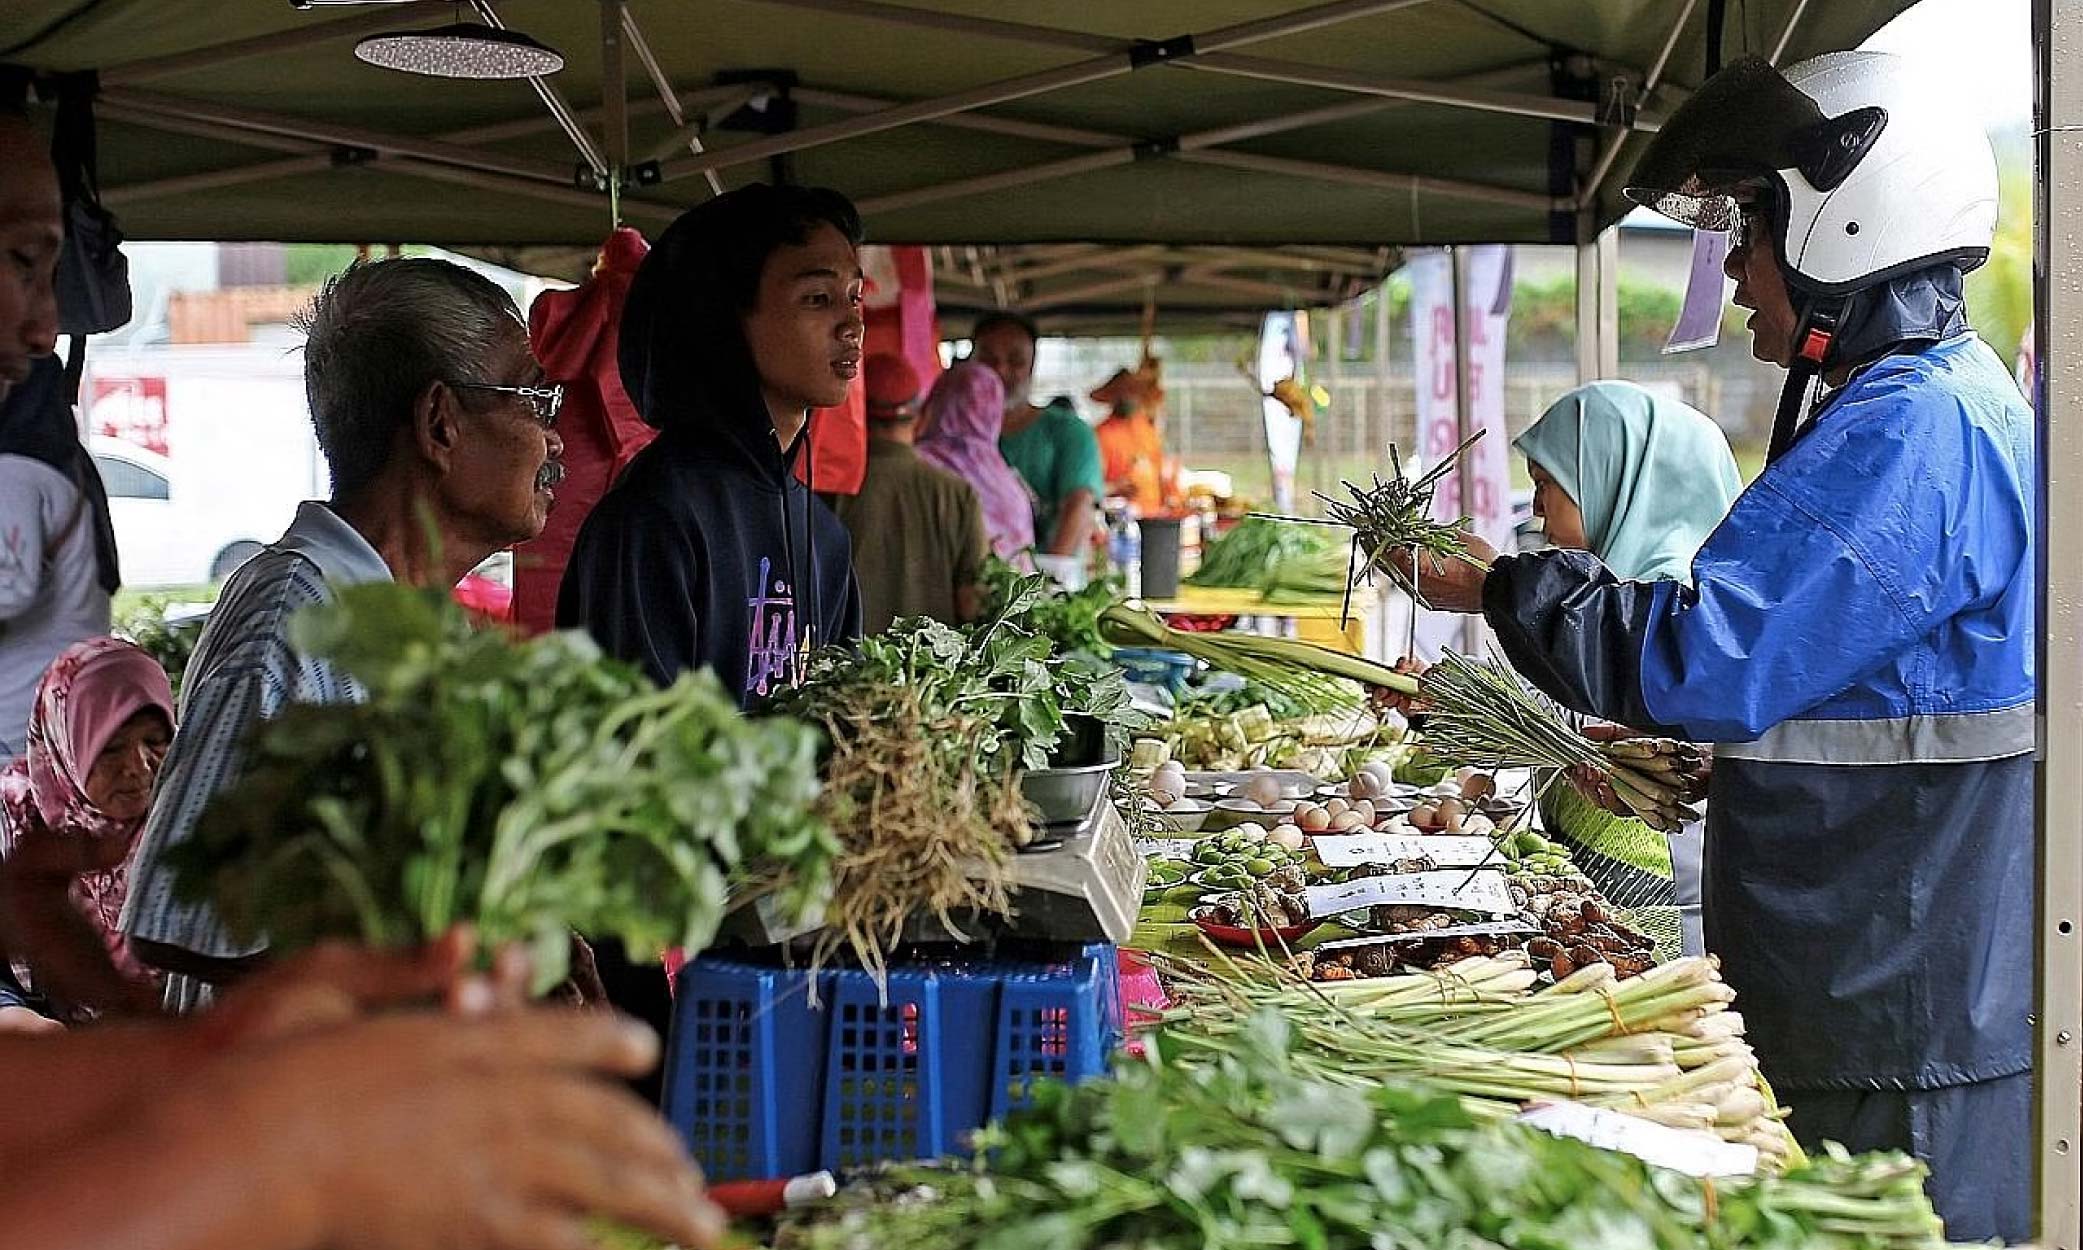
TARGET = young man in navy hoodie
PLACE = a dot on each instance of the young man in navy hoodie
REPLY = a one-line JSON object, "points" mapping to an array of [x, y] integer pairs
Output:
{"points": [[709, 553]]}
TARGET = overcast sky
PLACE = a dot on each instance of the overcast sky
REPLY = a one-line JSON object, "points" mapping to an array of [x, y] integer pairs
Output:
{"points": [[1983, 45]]}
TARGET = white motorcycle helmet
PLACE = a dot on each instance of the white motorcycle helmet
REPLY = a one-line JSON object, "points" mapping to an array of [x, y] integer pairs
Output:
{"points": [[1870, 182], [1866, 170]]}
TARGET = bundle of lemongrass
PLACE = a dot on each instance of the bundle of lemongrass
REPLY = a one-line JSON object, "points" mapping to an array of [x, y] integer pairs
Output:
{"points": [[1478, 714], [1663, 1046], [1483, 713]]}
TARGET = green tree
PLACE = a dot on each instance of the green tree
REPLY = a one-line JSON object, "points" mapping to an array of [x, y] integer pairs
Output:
{"points": [[1999, 294]]}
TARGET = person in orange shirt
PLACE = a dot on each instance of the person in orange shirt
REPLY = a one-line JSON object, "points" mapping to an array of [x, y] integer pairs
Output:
{"points": [[1130, 446]]}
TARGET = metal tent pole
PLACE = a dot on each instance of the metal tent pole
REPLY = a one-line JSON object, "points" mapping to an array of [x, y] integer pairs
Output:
{"points": [[1464, 421], [2058, 246], [1598, 299]]}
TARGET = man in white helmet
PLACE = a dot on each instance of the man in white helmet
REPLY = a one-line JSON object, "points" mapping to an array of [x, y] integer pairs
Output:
{"points": [[1858, 640]]}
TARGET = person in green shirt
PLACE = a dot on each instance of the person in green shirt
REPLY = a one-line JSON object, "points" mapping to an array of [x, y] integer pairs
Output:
{"points": [[1051, 447]]}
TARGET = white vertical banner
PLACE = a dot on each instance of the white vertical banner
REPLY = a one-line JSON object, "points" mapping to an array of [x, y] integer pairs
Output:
{"points": [[1283, 353], [1487, 294]]}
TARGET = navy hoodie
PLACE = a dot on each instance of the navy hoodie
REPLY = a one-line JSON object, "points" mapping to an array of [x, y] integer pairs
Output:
{"points": [[707, 552]]}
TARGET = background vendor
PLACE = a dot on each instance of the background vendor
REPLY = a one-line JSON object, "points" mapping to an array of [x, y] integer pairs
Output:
{"points": [[1051, 448], [1131, 447]]}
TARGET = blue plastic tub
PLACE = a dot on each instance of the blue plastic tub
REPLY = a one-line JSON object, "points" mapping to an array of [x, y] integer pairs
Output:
{"points": [[762, 1085], [1154, 666]]}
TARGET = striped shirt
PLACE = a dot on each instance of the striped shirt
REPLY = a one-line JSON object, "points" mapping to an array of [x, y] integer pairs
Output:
{"points": [[243, 671]]}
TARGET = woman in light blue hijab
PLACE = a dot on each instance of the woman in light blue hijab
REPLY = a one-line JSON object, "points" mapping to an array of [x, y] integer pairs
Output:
{"points": [[1635, 479], [1638, 481]]}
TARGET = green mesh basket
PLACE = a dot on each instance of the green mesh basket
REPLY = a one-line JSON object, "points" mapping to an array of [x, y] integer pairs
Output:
{"points": [[1628, 861]]}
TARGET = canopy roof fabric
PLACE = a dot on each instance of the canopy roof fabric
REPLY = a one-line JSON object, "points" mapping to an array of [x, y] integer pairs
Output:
{"points": [[1241, 123]]}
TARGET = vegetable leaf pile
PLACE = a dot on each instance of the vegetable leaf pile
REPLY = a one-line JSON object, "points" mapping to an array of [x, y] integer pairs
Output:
{"points": [[1069, 619], [529, 788], [1247, 1152]]}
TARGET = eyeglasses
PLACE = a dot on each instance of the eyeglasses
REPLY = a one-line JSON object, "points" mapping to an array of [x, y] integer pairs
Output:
{"points": [[544, 400], [1750, 225]]}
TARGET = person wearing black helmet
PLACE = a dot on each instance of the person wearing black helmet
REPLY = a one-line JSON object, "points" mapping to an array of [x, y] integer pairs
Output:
{"points": [[1858, 639]]}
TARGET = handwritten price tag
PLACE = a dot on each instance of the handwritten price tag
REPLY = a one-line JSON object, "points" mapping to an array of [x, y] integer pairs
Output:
{"points": [[1447, 891], [1446, 850], [1689, 1151]]}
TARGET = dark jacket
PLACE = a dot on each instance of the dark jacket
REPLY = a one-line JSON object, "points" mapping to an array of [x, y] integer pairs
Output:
{"points": [[707, 552]]}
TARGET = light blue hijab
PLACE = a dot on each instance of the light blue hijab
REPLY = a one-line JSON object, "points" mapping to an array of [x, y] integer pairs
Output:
{"points": [[1652, 476]]}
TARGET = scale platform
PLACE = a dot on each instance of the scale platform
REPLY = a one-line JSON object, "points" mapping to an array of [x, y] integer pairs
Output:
{"points": [[1081, 882]]}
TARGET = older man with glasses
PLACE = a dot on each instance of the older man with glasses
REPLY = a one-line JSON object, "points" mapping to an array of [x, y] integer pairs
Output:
{"points": [[439, 430]]}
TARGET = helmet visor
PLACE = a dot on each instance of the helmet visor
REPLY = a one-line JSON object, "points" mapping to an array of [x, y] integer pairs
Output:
{"points": [[1744, 124]]}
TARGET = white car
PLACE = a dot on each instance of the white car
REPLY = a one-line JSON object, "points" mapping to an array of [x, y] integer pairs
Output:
{"points": [[171, 532]]}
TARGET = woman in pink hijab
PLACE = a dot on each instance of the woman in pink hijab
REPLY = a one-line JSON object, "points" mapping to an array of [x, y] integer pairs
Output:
{"points": [[963, 414], [71, 809]]}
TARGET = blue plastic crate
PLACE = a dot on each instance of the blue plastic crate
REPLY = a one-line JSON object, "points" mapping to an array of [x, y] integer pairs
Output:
{"points": [[762, 1085]]}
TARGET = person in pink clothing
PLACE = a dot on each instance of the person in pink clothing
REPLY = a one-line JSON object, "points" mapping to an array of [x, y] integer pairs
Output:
{"points": [[964, 413], [103, 719], [574, 334]]}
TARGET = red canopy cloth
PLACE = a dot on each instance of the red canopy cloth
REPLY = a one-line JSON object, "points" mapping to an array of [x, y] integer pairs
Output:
{"points": [[574, 334]]}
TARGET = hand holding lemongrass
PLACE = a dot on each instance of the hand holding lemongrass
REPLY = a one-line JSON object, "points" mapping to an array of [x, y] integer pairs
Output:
{"points": [[1450, 583]]}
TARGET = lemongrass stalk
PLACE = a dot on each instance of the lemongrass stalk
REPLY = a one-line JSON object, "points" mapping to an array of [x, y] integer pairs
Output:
{"points": [[1740, 1106], [1677, 1115]]}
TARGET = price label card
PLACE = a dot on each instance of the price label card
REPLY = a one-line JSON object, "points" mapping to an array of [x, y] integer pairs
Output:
{"points": [[1164, 848], [1689, 1151], [1446, 850], [1447, 891]]}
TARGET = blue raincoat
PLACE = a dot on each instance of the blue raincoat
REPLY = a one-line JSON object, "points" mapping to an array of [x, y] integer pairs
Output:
{"points": [[1858, 642]]}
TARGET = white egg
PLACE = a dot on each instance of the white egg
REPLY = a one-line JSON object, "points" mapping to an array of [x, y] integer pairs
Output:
{"points": [[1337, 807], [1252, 831], [1346, 822], [1263, 789], [1164, 795], [1313, 819], [1288, 836]]}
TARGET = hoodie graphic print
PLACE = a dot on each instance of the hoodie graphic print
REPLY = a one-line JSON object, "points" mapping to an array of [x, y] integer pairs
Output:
{"points": [[708, 552]]}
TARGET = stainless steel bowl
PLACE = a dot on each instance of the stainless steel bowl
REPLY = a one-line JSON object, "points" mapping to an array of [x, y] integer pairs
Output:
{"points": [[1064, 796]]}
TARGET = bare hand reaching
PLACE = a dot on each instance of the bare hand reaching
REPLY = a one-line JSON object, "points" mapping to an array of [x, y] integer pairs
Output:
{"points": [[507, 1132]]}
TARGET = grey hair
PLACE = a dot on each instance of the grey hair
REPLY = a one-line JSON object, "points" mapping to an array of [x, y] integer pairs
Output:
{"points": [[376, 336]]}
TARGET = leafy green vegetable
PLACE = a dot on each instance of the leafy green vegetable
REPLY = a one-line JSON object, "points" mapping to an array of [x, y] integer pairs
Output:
{"points": [[171, 642], [929, 727], [530, 788], [1276, 556], [1068, 619], [1001, 667], [1244, 1150]]}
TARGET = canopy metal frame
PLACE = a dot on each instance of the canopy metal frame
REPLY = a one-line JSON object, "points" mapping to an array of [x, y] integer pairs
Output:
{"points": [[2058, 316], [460, 156]]}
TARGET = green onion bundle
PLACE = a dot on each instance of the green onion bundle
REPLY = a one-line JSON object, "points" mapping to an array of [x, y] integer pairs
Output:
{"points": [[1482, 713]]}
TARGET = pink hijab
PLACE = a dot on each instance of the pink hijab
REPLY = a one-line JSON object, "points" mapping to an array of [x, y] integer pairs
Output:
{"points": [[964, 413], [85, 696]]}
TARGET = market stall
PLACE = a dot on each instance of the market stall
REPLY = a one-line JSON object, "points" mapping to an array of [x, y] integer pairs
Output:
{"points": [[926, 854]]}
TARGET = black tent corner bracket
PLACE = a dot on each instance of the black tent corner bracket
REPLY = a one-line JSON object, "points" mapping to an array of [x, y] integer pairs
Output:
{"points": [[1148, 52]]}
